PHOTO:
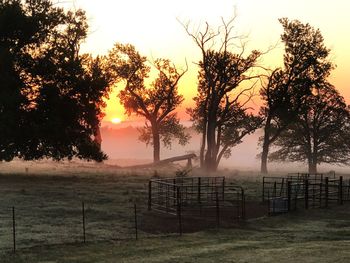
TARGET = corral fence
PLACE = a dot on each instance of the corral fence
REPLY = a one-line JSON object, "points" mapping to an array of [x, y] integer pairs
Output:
{"points": [[299, 190], [203, 197], [25, 224]]}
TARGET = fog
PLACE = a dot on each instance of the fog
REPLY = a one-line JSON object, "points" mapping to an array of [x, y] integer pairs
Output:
{"points": [[123, 148]]}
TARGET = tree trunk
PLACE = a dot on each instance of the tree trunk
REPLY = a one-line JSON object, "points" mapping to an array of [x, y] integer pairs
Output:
{"points": [[210, 157], [218, 159], [156, 143], [264, 155], [202, 147], [312, 168], [266, 146]]}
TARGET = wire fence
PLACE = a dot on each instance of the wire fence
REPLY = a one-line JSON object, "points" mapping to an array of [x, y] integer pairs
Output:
{"points": [[186, 205], [25, 227]]}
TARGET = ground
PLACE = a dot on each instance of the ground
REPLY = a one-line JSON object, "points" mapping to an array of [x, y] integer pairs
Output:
{"points": [[49, 224], [312, 236]]}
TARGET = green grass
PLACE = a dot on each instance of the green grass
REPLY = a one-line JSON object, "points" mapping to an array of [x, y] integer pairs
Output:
{"points": [[310, 236], [48, 213]]}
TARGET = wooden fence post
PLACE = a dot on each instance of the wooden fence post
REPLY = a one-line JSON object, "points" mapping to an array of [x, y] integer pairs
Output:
{"points": [[14, 229]]}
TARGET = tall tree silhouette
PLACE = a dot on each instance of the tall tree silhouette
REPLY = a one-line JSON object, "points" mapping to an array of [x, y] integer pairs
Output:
{"points": [[286, 90], [156, 102], [321, 133], [51, 96], [220, 113]]}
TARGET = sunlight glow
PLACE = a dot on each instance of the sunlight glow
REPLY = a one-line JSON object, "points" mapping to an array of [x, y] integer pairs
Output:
{"points": [[153, 28], [116, 120]]}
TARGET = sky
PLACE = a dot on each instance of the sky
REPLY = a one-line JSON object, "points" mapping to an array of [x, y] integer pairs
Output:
{"points": [[153, 27]]}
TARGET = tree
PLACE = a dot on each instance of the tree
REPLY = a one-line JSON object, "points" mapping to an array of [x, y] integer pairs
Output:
{"points": [[320, 134], [220, 113], [51, 96], [305, 65], [156, 103]]}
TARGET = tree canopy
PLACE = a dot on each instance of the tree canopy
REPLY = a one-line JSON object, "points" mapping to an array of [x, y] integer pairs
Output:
{"points": [[286, 90], [321, 132], [220, 113], [156, 102], [50, 95]]}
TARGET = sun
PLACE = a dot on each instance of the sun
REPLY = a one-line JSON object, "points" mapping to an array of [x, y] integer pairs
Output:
{"points": [[116, 120]]}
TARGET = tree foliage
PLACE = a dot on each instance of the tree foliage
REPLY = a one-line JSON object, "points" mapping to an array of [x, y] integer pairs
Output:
{"points": [[287, 89], [220, 114], [155, 102], [51, 96], [321, 132]]}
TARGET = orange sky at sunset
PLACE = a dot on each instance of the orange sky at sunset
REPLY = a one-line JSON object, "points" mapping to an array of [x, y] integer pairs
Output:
{"points": [[152, 27]]}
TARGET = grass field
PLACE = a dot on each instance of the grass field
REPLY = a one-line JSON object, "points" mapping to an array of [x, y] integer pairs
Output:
{"points": [[48, 220]]}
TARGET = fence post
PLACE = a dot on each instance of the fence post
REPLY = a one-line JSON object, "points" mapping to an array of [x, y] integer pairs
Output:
{"points": [[263, 190], [149, 195], [174, 192], [274, 189], [199, 197], [223, 189], [326, 192], [296, 196], [340, 190], [217, 208], [179, 210], [135, 211], [14, 229], [83, 212], [289, 194], [321, 189], [199, 190], [282, 185], [306, 193], [268, 202], [243, 205]]}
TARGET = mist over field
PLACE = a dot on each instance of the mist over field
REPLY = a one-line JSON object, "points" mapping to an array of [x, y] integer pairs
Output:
{"points": [[123, 143], [123, 148]]}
